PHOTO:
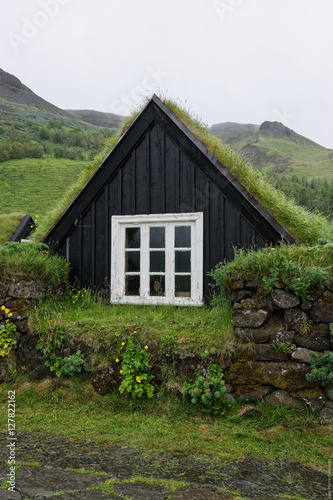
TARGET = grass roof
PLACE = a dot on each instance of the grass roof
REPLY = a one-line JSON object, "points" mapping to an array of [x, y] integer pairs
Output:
{"points": [[304, 226]]}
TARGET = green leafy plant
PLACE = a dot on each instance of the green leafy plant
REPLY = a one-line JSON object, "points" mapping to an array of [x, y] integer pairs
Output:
{"points": [[70, 365], [216, 372], [282, 347], [322, 367], [74, 364], [208, 352], [135, 370], [6, 338], [207, 393]]}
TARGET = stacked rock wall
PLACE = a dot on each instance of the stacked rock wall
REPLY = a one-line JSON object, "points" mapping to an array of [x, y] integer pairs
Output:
{"points": [[18, 298], [277, 332]]}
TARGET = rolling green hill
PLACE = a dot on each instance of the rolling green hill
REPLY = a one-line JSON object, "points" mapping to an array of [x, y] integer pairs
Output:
{"points": [[33, 186], [274, 148]]}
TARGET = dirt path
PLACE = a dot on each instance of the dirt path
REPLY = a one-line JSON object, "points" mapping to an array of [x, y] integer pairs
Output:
{"points": [[50, 467]]}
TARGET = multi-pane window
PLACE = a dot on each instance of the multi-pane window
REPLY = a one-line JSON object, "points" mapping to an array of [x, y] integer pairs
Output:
{"points": [[157, 259]]}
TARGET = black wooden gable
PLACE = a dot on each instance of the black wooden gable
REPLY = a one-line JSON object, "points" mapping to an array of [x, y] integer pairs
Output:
{"points": [[23, 230], [159, 166]]}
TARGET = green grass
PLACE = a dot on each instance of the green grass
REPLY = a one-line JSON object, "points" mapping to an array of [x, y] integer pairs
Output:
{"points": [[305, 160], [33, 186], [94, 320], [32, 263], [167, 424], [300, 268], [8, 224]]}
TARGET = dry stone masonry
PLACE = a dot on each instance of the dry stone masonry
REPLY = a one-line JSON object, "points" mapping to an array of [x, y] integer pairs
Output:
{"points": [[277, 333]]}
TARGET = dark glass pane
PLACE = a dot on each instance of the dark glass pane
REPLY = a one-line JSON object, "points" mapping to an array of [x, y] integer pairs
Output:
{"points": [[183, 236], [133, 285], [157, 286], [183, 286], [132, 263], [132, 237], [157, 237], [183, 261], [157, 262]]}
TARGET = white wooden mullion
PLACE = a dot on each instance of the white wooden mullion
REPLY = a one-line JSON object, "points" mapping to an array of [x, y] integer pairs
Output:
{"points": [[169, 261], [144, 262]]}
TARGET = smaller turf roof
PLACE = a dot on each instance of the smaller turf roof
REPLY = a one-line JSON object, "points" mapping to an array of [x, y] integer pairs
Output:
{"points": [[302, 225]]}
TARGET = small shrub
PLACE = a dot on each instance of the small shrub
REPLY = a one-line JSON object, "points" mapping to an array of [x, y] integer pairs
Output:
{"points": [[207, 393], [322, 369], [74, 364]]}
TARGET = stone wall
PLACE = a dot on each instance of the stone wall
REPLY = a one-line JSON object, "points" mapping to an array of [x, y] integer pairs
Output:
{"points": [[277, 332], [19, 298]]}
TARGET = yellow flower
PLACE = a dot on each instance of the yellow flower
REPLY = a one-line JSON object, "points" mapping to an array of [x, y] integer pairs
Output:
{"points": [[123, 343], [117, 360], [138, 379], [3, 308], [7, 310], [272, 248], [121, 372], [146, 347], [10, 314]]}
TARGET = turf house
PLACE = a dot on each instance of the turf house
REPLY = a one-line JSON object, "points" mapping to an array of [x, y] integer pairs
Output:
{"points": [[157, 215]]}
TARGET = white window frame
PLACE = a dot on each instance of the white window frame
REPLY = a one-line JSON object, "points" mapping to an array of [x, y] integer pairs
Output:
{"points": [[121, 222]]}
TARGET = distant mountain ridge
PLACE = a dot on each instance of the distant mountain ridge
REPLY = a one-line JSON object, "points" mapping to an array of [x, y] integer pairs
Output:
{"points": [[275, 148], [98, 118], [12, 90]]}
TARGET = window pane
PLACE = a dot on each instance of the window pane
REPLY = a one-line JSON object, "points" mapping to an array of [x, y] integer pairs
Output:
{"points": [[157, 285], [182, 261], [157, 237], [182, 236], [183, 286], [132, 237], [132, 263], [157, 262], [132, 285]]}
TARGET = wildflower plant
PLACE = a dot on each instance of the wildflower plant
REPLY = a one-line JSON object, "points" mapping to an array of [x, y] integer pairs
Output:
{"points": [[135, 370], [7, 331]]}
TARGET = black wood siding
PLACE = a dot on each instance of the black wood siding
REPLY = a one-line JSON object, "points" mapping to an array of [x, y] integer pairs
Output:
{"points": [[155, 177]]}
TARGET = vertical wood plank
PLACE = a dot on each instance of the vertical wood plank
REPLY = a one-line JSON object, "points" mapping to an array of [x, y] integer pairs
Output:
{"points": [[187, 173], [157, 182], [171, 155], [142, 177], [128, 181]]}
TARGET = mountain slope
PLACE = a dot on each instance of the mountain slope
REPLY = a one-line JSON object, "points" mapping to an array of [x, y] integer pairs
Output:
{"points": [[273, 147], [98, 118], [13, 90]]}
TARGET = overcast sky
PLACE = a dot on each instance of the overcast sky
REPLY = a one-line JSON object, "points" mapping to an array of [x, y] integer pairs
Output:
{"points": [[243, 61]]}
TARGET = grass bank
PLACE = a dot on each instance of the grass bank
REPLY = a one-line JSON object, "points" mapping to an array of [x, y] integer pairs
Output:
{"points": [[71, 408]]}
